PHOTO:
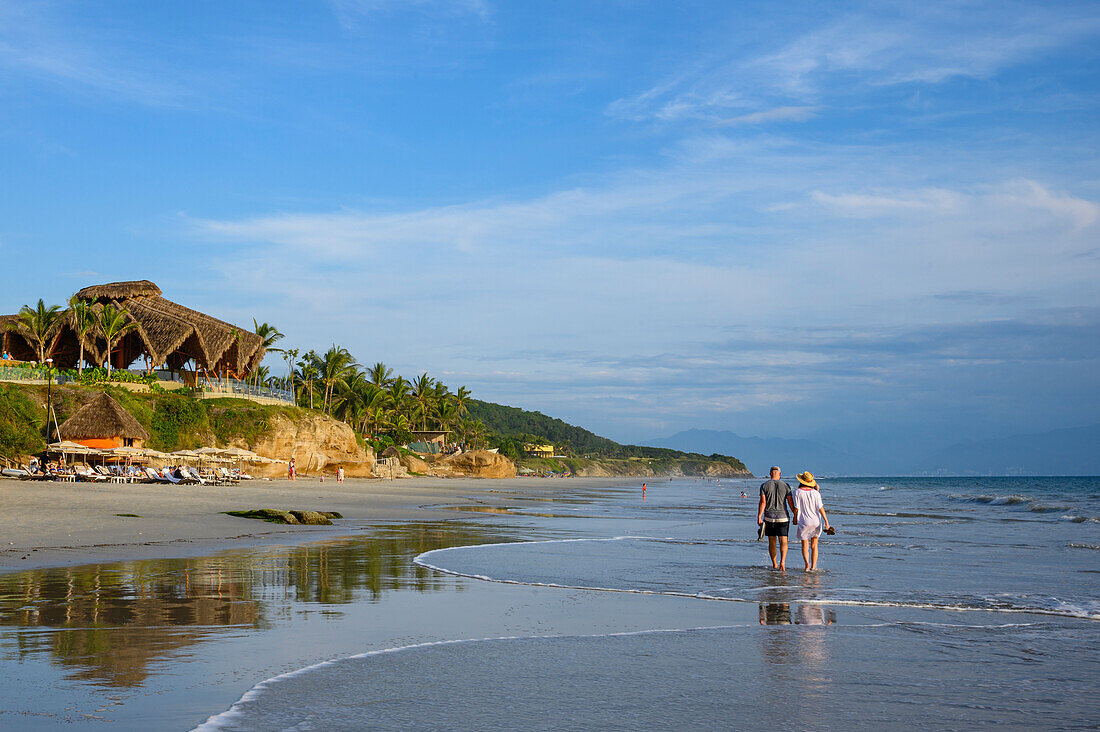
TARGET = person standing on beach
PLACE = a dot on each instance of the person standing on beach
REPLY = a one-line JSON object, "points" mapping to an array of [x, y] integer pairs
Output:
{"points": [[290, 470], [811, 512], [775, 497]]}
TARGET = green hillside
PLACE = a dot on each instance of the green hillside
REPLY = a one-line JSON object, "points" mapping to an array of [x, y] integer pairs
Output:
{"points": [[512, 426]]}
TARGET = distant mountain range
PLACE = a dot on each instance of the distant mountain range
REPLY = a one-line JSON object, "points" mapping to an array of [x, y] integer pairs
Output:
{"points": [[1070, 451]]}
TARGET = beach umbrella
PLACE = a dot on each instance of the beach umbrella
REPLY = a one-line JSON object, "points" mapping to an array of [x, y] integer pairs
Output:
{"points": [[240, 452], [185, 455], [126, 451], [130, 453], [69, 448], [209, 451]]}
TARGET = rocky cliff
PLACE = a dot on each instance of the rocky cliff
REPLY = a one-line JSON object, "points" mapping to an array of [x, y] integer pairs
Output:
{"points": [[316, 442], [475, 464]]}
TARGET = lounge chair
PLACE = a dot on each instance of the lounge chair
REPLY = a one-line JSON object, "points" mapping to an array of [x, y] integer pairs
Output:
{"points": [[195, 475], [166, 473], [228, 477], [154, 476], [87, 474]]}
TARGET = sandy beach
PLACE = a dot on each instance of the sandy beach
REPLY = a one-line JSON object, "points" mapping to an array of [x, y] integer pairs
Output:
{"points": [[556, 595], [59, 524]]}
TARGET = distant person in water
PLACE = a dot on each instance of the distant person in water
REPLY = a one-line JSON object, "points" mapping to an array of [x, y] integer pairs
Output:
{"points": [[775, 498], [744, 495], [811, 514]]}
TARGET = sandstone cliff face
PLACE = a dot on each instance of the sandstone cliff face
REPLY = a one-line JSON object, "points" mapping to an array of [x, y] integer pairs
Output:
{"points": [[474, 464], [316, 443], [482, 464]]}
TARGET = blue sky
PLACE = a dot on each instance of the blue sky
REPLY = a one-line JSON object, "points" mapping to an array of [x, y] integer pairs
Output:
{"points": [[875, 222]]}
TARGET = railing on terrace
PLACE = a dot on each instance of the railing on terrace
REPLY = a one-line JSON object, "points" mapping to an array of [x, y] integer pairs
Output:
{"points": [[244, 389], [29, 373]]}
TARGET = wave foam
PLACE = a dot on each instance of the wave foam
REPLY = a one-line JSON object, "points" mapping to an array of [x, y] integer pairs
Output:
{"points": [[998, 605]]}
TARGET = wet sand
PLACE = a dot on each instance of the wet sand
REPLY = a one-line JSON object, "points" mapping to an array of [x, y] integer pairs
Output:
{"points": [[49, 524]]}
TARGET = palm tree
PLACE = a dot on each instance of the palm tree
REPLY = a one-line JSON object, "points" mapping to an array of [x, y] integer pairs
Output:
{"points": [[37, 325], [399, 396], [380, 375], [82, 319], [113, 324], [336, 365], [462, 401], [447, 413], [308, 372], [270, 335], [289, 355], [347, 397], [478, 433], [261, 375], [423, 395]]}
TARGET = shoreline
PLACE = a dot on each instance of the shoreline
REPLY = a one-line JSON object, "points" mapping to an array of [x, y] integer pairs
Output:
{"points": [[70, 524]]}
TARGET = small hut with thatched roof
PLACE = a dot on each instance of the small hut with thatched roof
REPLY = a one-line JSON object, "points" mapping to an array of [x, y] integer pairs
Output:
{"points": [[165, 334], [103, 423]]}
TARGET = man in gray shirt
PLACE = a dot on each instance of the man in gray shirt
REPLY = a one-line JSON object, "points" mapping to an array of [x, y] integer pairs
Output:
{"points": [[775, 497]]}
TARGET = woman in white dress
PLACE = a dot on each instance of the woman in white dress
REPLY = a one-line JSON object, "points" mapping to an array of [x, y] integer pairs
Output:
{"points": [[811, 514]]}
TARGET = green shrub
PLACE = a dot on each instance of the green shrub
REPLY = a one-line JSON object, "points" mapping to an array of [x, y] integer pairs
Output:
{"points": [[19, 423], [177, 423]]}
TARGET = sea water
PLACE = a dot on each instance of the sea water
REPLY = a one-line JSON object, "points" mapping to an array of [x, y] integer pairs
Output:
{"points": [[944, 603]]}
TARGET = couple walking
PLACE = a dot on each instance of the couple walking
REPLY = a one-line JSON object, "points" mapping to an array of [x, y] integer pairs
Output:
{"points": [[775, 522]]}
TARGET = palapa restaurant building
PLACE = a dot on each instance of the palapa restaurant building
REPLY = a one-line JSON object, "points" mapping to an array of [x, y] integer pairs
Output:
{"points": [[167, 335]]}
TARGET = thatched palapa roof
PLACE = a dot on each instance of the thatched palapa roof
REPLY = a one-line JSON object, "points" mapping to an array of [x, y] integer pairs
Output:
{"points": [[119, 291], [166, 332], [101, 418]]}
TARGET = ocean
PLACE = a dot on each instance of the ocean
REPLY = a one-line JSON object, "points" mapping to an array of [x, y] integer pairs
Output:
{"points": [[944, 603]]}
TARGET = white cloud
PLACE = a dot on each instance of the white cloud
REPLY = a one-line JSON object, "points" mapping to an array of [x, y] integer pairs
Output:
{"points": [[858, 53], [1018, 200], [36, 43], [778, 114]]}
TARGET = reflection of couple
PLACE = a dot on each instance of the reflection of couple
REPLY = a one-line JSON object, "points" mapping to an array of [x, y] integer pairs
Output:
{"points": [[779, 613], [809, 513]]}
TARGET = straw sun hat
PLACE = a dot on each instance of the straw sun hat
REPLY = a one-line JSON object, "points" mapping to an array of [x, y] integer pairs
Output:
{"points": [[807, 479]]}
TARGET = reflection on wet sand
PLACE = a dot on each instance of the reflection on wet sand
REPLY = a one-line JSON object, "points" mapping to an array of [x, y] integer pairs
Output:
{"points": [[113, 620], [779, 613], [511, 511]]}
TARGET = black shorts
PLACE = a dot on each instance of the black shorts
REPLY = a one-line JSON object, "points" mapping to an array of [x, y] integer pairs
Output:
{"points": [[777, 528]]}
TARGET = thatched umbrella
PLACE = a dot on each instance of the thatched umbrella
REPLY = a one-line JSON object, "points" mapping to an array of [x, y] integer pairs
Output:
{"points": [[102, 418]]}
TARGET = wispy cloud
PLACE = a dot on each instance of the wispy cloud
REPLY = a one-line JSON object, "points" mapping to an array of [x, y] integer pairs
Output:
{"points": [[36, 41], [858, 52], [1005, 197], [779, 114]]}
